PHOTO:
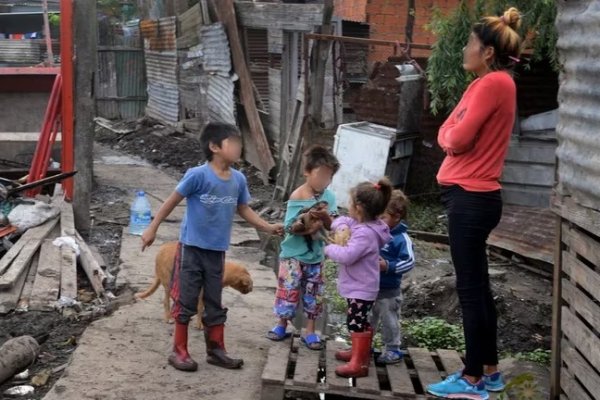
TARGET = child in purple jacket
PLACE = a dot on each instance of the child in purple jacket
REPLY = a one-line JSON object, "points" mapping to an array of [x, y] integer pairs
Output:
{"points": [[358, 279]]}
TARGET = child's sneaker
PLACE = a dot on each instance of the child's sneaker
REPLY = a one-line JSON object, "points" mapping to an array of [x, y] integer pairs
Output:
{"points": [[456, 387], [390, 357], [494, 382]]}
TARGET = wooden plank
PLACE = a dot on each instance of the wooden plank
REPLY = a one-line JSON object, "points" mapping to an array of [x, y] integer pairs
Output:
{"points": [[581, 244], [90, 265], [307, 367], [555, 362], [583, 305], [259, 153], [23, 304], [400, 381], [581, 337], [586, 218], [581, 274], [426, 369], [18, 266], [68, 274], [292, 17], [332, 380], [47, 279], [451, 361], [9, 298], [571, 387], [12, 253], [580, 368], [67, 219], [277, 362], [370, 383]]}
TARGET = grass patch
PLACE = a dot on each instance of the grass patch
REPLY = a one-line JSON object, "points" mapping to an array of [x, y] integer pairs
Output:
{"points": [[435, 333]]}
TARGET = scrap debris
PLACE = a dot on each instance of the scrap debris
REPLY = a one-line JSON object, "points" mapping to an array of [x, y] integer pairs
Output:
{"points": [[43, 229]]}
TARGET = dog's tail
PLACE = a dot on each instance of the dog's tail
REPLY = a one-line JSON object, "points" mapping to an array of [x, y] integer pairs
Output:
{"points": [[150, 291]]}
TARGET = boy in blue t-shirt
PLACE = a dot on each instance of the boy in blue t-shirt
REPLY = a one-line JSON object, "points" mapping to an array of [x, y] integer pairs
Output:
{"points": [[214, 191]]}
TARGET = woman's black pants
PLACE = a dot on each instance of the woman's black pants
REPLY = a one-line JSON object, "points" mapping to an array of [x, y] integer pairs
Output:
{"points": [[471, 218]]}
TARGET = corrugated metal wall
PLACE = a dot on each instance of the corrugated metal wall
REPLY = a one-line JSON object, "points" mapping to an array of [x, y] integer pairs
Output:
{"points": [[20, 52], [121, 78], [577, 277], [160, 52]]}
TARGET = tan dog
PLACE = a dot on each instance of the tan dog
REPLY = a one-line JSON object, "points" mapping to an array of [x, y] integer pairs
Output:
{"points": [[234, 275]]}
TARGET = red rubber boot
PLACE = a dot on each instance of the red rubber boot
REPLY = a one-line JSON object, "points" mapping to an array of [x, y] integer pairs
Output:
{"points": [[180, 358], [358, 366], [346, 355], [215, 348]]}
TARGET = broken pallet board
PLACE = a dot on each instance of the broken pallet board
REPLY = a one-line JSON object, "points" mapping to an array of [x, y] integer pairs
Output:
{"points": [[300, 370], [32, 241], [23, 304], [68, 257], [47, 279], [10, 298]]}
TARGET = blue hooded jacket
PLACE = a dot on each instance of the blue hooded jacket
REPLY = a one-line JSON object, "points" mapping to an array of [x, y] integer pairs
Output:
{"points": [[399, 255]]}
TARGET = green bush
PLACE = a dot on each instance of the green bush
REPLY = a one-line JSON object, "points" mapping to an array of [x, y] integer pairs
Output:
{"points": [[435, 333]]}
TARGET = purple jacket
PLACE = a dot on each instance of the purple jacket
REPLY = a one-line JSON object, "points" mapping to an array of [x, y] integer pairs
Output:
{"points": [[358, 276]]}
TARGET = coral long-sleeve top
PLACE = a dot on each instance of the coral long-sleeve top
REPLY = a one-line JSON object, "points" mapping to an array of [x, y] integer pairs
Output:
{"points": [[477, 133]]}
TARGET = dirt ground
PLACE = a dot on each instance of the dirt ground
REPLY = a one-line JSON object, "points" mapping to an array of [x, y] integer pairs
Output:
{"points": [[523, 299]]}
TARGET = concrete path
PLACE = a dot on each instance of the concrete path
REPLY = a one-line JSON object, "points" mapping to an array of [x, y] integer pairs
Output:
{"points": [[124, 356]]}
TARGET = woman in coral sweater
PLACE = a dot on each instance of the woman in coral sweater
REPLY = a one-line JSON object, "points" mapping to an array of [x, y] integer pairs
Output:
{"points": [[475, 138]]}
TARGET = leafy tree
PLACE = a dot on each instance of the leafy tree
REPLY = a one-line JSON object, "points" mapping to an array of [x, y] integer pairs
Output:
{"points": [[446, 78]]}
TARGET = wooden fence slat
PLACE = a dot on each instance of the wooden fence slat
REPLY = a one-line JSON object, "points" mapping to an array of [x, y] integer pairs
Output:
{"points": [[333, 381], [581, 337], [307, 367], [426, 369], [582, 274], [47, 280], [580, 368], [277, 362], [451, 361], [571, 387], [400, 381], [581, 244], [585, 307], [370, 383]]}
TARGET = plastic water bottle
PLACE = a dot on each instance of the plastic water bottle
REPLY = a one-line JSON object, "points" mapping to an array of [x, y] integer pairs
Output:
{"points": [[140, 214]]}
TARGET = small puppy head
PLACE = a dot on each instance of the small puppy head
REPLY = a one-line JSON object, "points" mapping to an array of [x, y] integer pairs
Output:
{"points": [[243, 283]]}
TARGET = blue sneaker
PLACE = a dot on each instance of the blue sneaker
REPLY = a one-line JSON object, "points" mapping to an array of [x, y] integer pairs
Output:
{"points": [[390, 357], [494, 382], [456, 387]]}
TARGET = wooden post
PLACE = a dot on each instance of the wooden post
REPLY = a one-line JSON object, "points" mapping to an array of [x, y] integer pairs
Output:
{"points": [[47, 33], [84, 43], [556, 362], [319, 56]]}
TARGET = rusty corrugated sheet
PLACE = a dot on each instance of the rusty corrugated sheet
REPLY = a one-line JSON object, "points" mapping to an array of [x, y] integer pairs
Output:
{"points": [[20, 52], [257, 48], [526, 231], [215, 47], [579, 101], [160, 51], [159, 35]]}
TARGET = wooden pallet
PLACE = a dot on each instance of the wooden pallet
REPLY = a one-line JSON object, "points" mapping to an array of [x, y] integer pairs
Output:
{"points": [[298, 369]]}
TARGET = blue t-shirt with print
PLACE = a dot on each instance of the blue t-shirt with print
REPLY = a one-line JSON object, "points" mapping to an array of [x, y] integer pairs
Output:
{"points": [[211, 205]]}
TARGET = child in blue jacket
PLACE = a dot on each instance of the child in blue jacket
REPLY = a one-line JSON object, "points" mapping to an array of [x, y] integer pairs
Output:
{"points": [[396, 258]]}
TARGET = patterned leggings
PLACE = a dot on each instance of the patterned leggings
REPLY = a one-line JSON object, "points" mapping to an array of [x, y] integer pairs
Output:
{"points": [[297, 279], [358, 314]]}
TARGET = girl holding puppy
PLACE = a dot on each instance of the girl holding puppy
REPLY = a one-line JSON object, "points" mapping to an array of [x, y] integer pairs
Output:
{"points": [[358, 279]]}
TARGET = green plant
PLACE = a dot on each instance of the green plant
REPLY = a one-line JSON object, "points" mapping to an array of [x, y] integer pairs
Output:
{"points": [[54, 19], [338, 303], [539, 356], [522, 387], [446, 78], [427, 215], [435, 333]]}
